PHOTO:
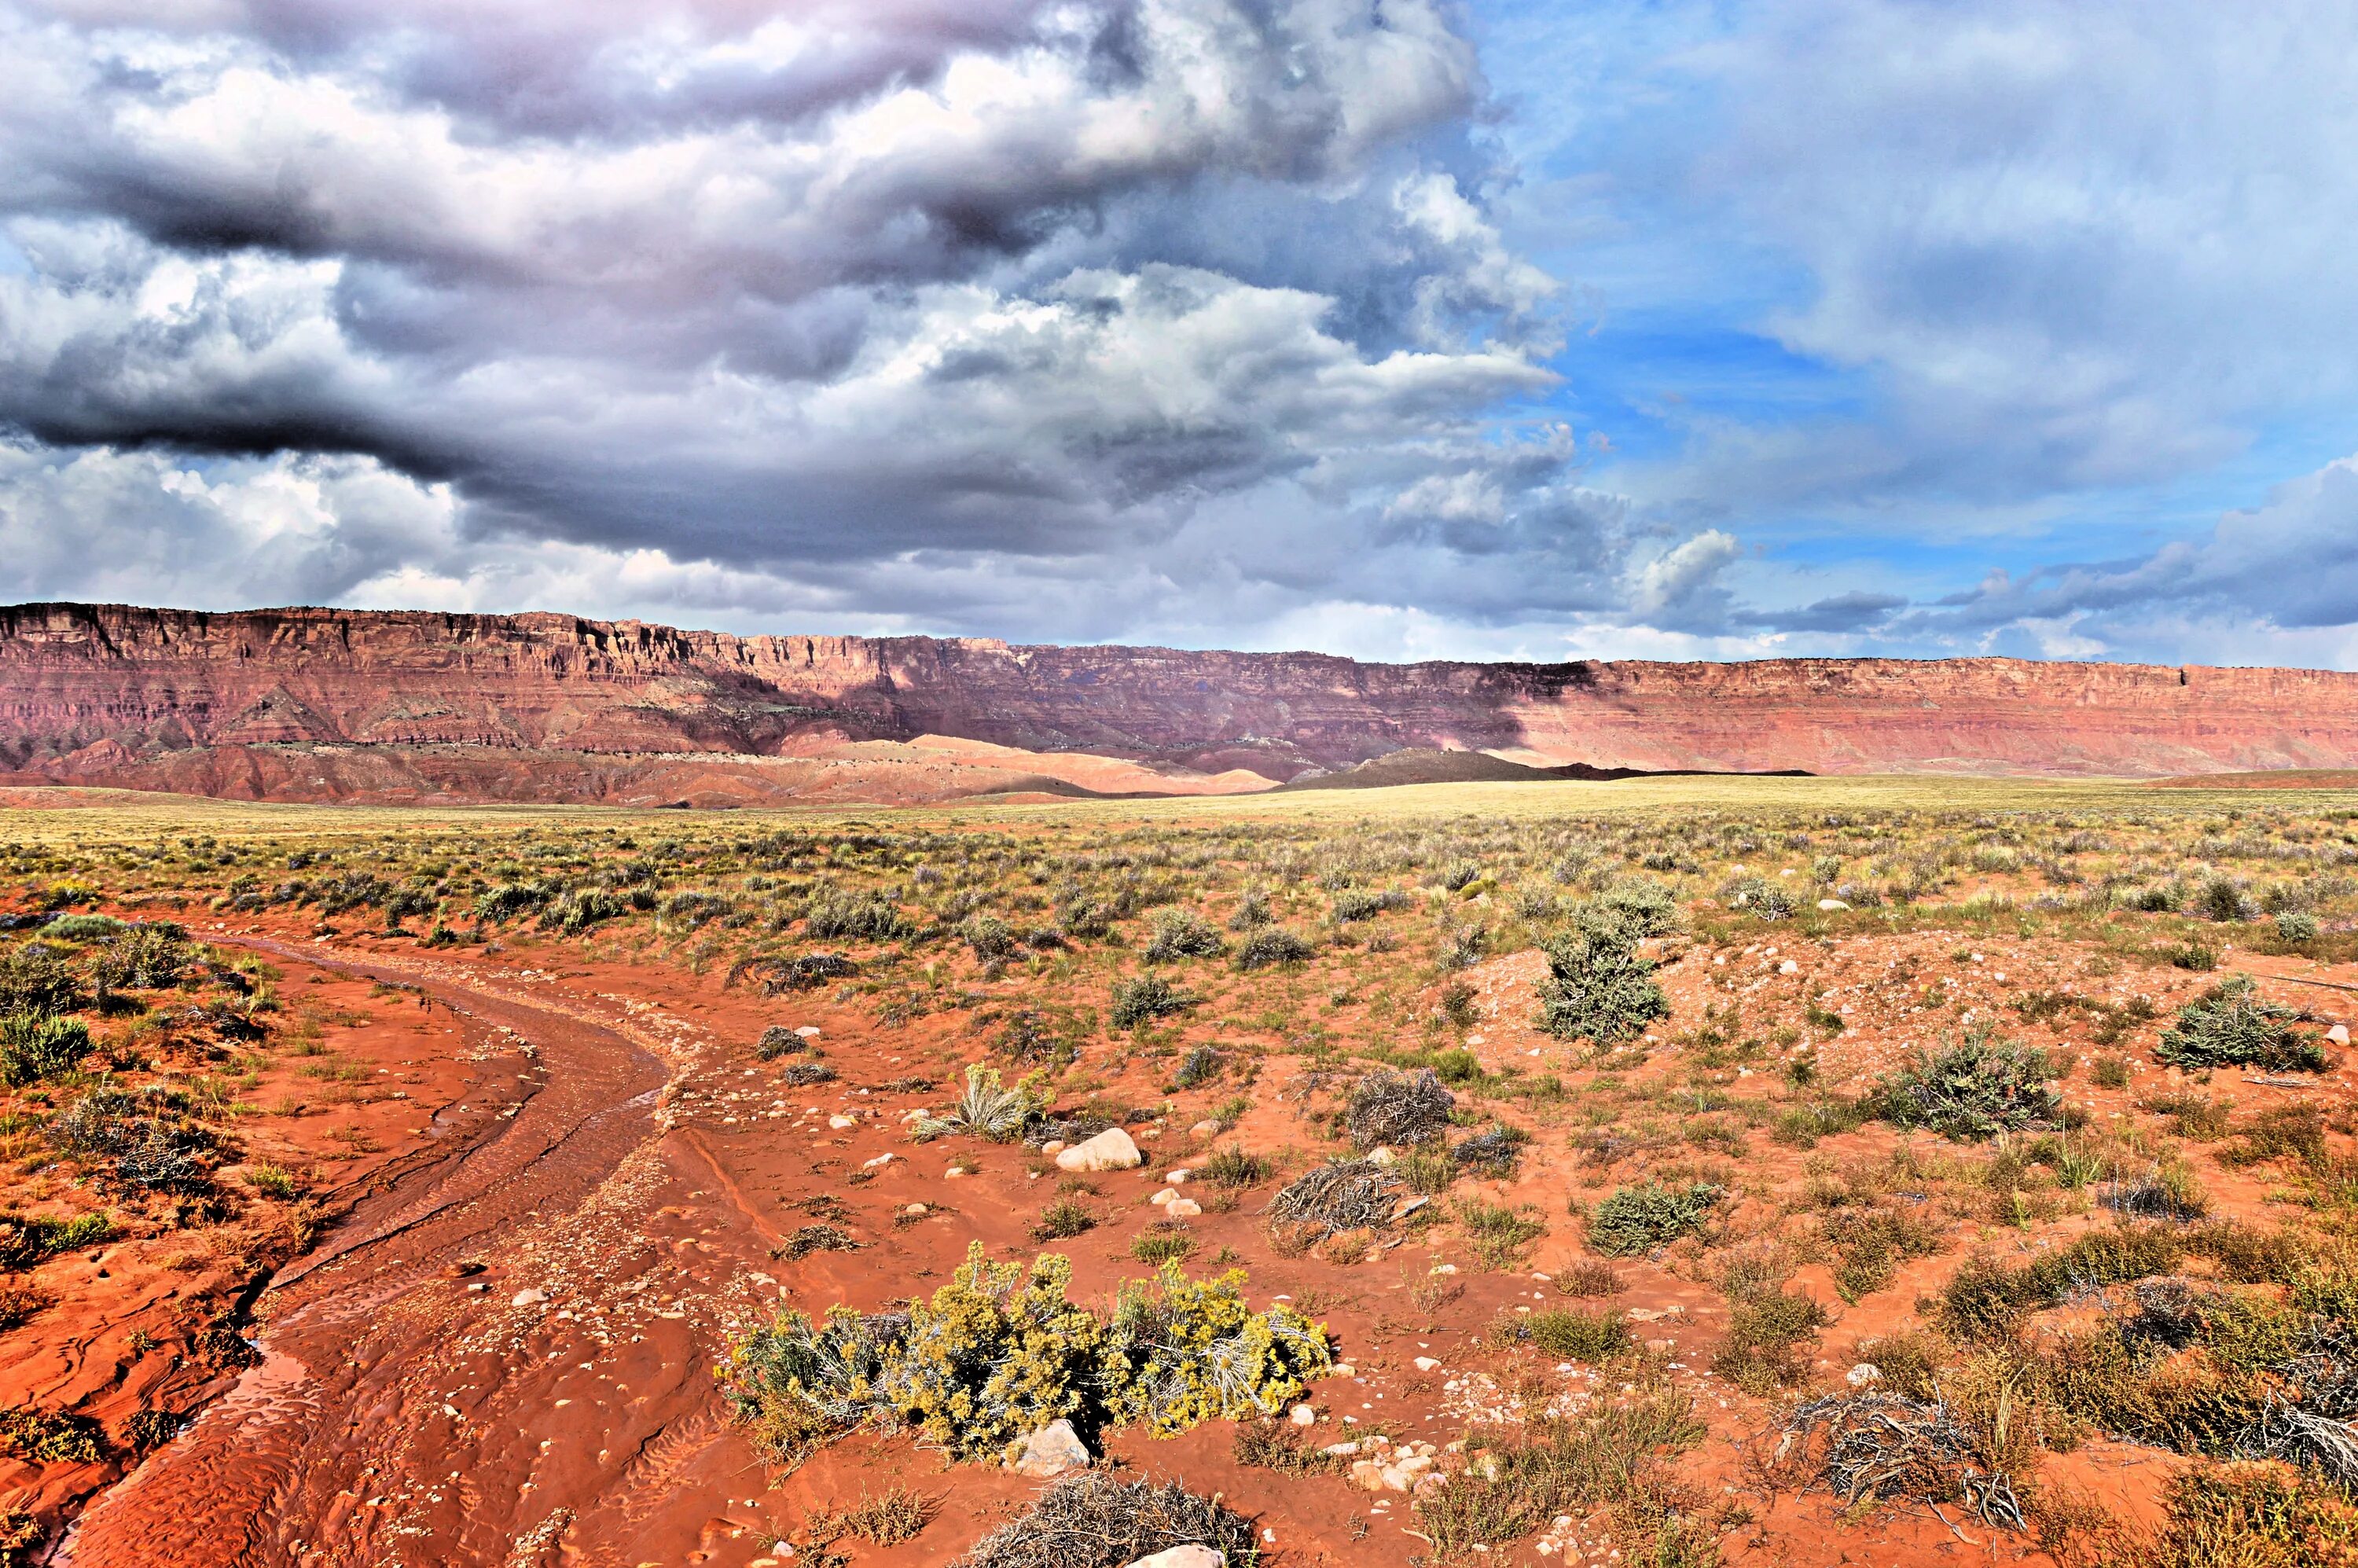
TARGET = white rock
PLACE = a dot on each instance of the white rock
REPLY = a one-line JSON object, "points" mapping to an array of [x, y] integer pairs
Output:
{"points": [[1054, 1146], [840, 1122], [1208, 1128], [1426, 1363], [878, 1162], [1379, 1155], [916, 1208], [528, 1298], [1051, 1450], [1109, 1150], [1863, 1374], [1178, 1178], [807, 1031], [1167, 1196], [1183, 1208], [2338, 1034], [1191, 1556], [1302, 1416], [1340, 1450], [1789, 967], [1831, 904]]}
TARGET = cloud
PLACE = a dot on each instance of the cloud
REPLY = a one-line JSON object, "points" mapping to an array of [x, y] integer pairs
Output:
{"points": [[1012, 316]]}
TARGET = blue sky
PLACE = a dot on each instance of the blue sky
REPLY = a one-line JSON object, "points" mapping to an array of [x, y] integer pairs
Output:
{"points": [[1403, 328]]}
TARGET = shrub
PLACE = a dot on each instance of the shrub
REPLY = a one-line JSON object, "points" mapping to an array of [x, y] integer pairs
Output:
{"points": [[1167, 1241], [1612, 1460], [33, 1047], [1972, 1089], [508, 900], [1870, 1245], [803, 1075], [1063, 1219], [1181, 933], [1498, 1234], [779, 1040], [577, 909], [1200, 1066], [27, 1239], [2110, 1072], [1598, 987], [838, 916], [2252, 1515], [1147, 998], [1405, 1108], [1000, 1352], [986, 1107], [1906, 1364], [1184, 1351], [35, 978], [1494, 1151], [2231, 1025], [1233, 1168], [143, 957], [1271, 947], [988, 936], [1364, 903], [1646, 907], [1761, 897], [1635, 1220], [82, 927], [1579, 1336], [1762, 1349], [150, 1144], [2296, 926], [51, 1437]]}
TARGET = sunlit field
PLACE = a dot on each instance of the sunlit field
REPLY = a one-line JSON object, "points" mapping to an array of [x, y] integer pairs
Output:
{"points": [[1668, 1171]]}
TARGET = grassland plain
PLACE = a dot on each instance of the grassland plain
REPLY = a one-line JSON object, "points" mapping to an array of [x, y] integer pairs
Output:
{"points": [[1663, 1172]]}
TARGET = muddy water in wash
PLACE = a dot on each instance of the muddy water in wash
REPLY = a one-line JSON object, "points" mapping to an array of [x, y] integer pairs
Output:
{"points": [[488, 1360]]}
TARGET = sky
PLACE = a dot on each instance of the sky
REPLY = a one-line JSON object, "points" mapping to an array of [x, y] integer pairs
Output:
{"points": [[1398, 328]]}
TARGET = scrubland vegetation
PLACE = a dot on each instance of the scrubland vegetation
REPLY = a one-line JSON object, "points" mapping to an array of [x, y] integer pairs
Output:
{"points": [[1942, 1145]]}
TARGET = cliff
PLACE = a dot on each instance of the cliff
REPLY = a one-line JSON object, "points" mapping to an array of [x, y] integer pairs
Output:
{"points": [[308, 704]]}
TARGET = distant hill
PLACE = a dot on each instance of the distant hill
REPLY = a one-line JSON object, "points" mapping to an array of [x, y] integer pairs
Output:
{"points": [[310, 704], [1421, 765]]}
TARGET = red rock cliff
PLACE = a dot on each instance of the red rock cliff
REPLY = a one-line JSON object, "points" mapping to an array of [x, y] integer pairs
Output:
{"points": [[104, 694]]}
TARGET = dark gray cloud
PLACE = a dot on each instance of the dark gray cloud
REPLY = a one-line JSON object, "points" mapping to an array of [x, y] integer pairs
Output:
{"points": [[883, 312]]}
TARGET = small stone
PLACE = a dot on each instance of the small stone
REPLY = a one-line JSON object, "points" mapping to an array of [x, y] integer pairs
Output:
{"points": [[1167, 1196], [881, 1160], [1054, 1146], [2338, 1034], [1789, 967], [1302, 1416], [1178, 1178], [807, 1031], [1426, 1363], [954, 1171], [1864, 1375], [1051, 1450], [1379, 1155], [840, 1122], [1109, 1150], [528, 1298], [462, 1271], [1831, 904], [1183, 1208], [1191, 1556], [1340, 1450], [1444, 1268], [1208, 1128], [916, 1208]]}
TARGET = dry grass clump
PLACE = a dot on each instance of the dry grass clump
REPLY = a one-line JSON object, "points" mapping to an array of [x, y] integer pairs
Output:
{"points": [[1404, 1108], [1347, 1195], [898, 1514], [1615, 1459], [1878, 1447], [822, 1238], [1093, 1521]]}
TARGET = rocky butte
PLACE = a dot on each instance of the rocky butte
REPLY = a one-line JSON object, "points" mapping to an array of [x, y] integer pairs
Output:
{"points": [[310, 704]]}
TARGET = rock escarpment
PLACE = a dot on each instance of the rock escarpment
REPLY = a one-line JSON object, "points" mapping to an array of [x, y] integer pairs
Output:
{"points": [[328, 704]]}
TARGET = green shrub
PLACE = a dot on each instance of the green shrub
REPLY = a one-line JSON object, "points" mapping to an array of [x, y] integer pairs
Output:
{"points": [[1579, 1336], [1061, 1220], [1598, 987], [1870, 1245], [988, 936], [51, 1437], [840, 917], [1001, 1351], [1762, 1351], [26, 1240], [2110, 1072], [1201, 1065], [1182, 934], [1634, 1220], [1147, 998], [33, 1047], [1972, 1089], [1497, 1234], [1271, 946], [1165, 1242], [2296, 926], [1762, 898], [35, 978], [2231, 1025], [1234, 1167], [2251, 1516], [986, 1108]]}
